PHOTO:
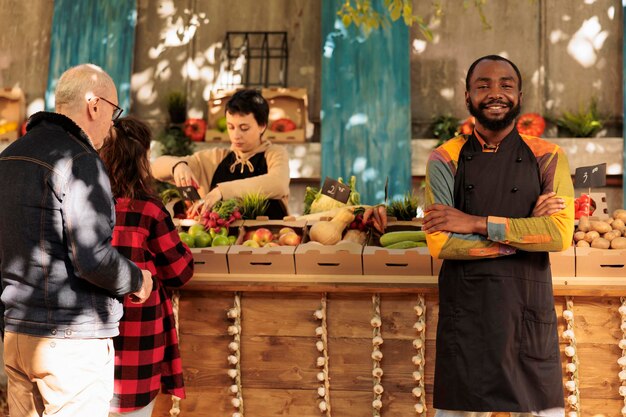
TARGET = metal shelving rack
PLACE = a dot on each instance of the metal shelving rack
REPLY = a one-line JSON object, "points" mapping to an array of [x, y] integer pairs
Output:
{"points": [[265, 56]]}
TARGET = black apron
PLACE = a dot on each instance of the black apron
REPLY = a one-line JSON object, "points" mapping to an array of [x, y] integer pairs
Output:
{"points": [[497, 341], [276, 209]]}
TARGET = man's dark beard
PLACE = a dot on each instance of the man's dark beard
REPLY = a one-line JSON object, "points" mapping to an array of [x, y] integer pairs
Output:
{"points": [[494, 125]]}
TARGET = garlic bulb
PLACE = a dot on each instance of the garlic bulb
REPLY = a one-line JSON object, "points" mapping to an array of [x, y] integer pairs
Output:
{"points": [[236, 402], [377, 404], [319, 314], [572, 414], [419, 326], [417, 375], [419, 408], [622, 361], [417, 391], [321, 361], [319, 345], [622, 376], [234, 389], [570, 351], [622, 310], [233, 313], [417, 359], [232, 359], [568, 314], [377, 372], [418, 343], [233, 330], [572, 399], [568, 334], [623, 326], [233, 346], [377, 355], [377, 341], [232, 373], [323, 406], [570, 367], [237, 414], [321, 391], [319, 331], [378, 389], [622, 344], [321, 376], [622, 390], [376, 322], [570, 386], [419, 310]]}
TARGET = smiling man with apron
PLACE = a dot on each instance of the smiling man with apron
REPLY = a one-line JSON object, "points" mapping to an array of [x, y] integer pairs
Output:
{"points": [[498, 202]]}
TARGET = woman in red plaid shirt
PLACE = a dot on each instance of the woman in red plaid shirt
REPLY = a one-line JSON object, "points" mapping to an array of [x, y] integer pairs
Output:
{"points": [[147, 357]]}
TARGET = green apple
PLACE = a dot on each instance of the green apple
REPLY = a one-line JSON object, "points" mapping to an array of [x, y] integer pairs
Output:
{"points": [[195, 229], [202, 240], [251, 243], [232, 239], [220, 240], [221, 124], [223, 231], [187, 239]]}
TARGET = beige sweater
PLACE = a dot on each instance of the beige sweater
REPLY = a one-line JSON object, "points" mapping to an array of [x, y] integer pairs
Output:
{"points": [[274, 184]]}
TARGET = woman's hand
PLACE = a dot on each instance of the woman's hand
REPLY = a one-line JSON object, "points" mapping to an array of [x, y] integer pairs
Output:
{"points": [[202, 206], [183, 176]]}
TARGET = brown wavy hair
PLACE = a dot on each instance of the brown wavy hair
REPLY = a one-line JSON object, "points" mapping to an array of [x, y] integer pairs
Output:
{"points": [[125, 154]]}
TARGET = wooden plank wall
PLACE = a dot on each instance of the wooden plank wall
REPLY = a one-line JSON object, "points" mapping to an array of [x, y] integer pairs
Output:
{"points": [[278, 354]]}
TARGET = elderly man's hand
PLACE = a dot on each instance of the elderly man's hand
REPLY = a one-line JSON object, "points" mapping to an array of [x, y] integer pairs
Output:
{"points": [[142, 295]]}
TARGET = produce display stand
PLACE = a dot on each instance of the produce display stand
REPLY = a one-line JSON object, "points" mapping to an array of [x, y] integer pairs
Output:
{"points": [[279, 362]]}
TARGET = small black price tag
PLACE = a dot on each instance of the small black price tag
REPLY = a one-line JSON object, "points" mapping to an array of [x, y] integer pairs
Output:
{"points": [[591, 176], [336, 190], [189, 193]]}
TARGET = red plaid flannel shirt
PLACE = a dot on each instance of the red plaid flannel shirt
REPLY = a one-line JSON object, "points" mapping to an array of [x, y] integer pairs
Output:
{"points": [[146, 351]]}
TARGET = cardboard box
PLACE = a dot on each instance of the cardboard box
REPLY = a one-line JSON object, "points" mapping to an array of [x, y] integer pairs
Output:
{"points": [[591, 262], [563, 264], [217, 105], [290, 103], [378, 260], [12, 113], [343, 258], [213, 260], [265, 260]]}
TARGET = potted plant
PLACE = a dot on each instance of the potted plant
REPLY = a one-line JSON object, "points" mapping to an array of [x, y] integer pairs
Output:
{"points": [[174, 142], [582, 124], [177, 107], [444, 127]]}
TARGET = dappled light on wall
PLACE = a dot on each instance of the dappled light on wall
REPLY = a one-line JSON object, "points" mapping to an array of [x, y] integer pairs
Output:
{"points": [[586, 42]]}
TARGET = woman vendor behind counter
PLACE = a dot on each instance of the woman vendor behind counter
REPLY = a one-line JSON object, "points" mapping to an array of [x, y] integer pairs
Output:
{"points": [[251, 165]]}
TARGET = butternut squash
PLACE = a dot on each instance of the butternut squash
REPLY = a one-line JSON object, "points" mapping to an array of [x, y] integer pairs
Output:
{"points": [[330, 232]]}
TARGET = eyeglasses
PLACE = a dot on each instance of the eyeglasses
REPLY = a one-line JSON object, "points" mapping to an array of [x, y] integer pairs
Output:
{"points": [[117, 112]]}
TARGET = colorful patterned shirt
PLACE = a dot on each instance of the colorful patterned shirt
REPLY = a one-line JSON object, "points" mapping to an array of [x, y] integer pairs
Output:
{"points": [[504, 235], [147, 357]]}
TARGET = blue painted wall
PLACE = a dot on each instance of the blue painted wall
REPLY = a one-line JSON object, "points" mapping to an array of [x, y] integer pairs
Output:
{"points": [[624, 94], [366, 105], [96, 31]]}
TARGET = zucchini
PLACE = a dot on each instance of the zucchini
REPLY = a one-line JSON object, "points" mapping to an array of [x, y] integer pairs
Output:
{"points": [[406, 244], [394, 237]]}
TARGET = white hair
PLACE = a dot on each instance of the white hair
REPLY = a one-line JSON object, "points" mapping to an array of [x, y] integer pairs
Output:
{"points": [[80, 83]]}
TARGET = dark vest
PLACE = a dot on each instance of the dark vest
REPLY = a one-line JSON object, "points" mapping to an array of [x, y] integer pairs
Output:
{"points": [[275, 209], [497, 341]]}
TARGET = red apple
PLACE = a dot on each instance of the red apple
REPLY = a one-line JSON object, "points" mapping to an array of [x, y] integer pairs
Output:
{"points": [[251, 243], [290, 239], [248, 235], [285, 230], [270, 244], [262, 236]]}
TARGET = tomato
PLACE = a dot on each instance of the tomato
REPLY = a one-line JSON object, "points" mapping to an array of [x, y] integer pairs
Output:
{"points": [[531, 124], [283, 125], [195, 129]]}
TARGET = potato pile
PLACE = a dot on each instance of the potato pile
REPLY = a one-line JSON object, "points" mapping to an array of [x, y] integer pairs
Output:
{"points": [[602, 234]]}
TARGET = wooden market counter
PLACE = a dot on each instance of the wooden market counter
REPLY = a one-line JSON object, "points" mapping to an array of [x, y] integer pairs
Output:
{"points": [[278, 343]]}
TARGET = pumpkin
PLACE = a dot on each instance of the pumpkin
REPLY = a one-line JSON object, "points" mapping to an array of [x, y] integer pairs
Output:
{"points": [[531, 124], [282, 125], [195, 129]]}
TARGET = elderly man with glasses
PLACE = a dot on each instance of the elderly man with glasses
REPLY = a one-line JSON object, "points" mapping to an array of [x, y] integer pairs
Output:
{"points": [[61, 279]]}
